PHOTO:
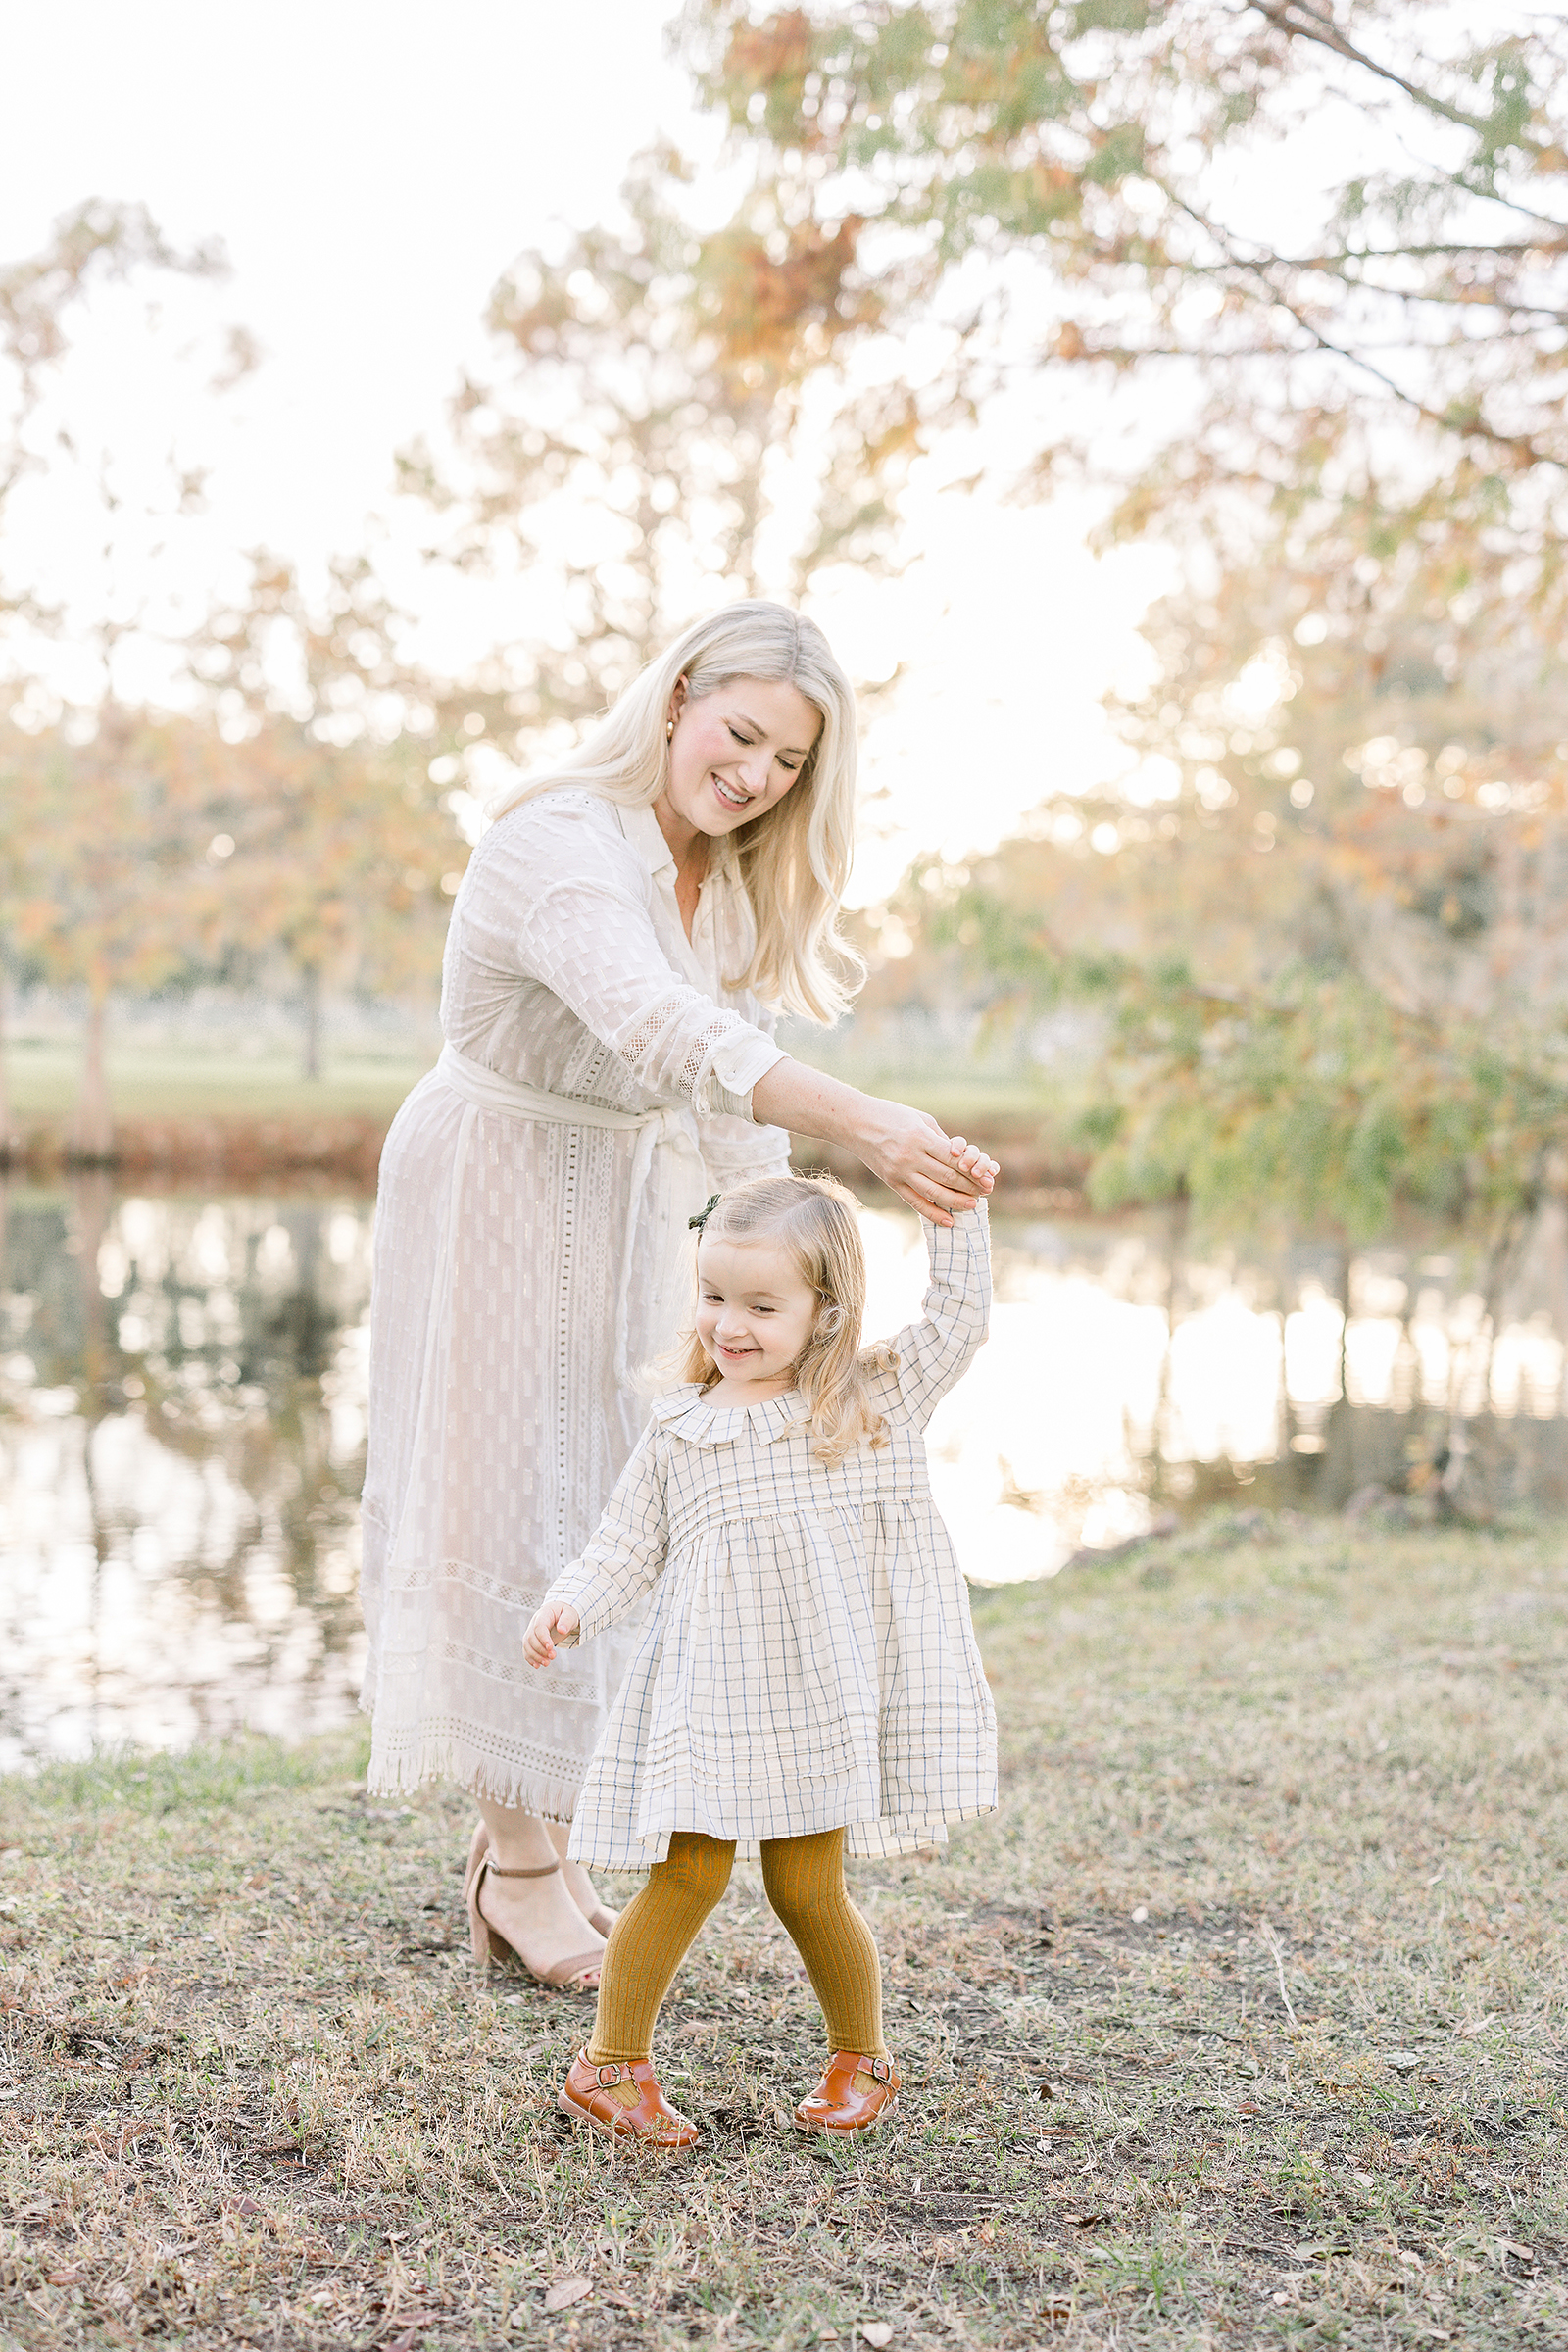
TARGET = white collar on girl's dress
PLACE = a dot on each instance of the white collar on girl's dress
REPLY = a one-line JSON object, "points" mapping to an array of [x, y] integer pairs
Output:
{"points": [[684, 1412]]}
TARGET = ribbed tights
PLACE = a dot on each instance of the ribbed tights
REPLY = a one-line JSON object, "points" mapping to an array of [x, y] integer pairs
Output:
{"points": [[804, 1882]]}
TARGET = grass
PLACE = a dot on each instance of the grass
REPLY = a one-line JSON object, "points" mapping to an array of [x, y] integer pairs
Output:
{"points": [[171, 1082], [178, 1082], [1239, 2025]]}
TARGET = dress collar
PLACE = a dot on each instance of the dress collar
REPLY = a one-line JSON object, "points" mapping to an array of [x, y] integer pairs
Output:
{"points": [[683, 1411], [645, 836]]}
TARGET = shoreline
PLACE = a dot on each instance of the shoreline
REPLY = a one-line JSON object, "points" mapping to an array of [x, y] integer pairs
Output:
{"points": [[236, 1149]]}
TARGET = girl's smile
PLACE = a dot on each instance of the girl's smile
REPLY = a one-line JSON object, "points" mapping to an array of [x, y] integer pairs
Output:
{"points": [[754, 1315]]}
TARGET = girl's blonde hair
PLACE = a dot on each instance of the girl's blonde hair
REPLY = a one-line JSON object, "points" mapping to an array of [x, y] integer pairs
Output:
{"points": [[815, 1219], [794, 859]]}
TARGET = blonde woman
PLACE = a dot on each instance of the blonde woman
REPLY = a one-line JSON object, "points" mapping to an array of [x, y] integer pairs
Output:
{"points": [[625, 935], [807, 1675]]}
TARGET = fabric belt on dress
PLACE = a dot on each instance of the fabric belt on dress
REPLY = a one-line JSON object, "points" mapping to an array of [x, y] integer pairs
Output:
{"points": [[655, 1185]]}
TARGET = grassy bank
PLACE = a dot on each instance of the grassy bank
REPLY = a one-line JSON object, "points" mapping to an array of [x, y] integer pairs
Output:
{"points": [[173, 1083], [170, 1082], [227, 1119], [1240, 2023]]}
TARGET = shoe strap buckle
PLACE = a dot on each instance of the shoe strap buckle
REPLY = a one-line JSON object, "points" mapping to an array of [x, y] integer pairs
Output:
{"points": [[880, 2069], [607, 2076]]}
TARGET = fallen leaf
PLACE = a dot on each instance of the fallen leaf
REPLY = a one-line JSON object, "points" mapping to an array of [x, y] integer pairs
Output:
{"points": [[567, 2290], [1404, 2062], [1367, 2180], [1046, 2090], [1478, 2025], [1085, 2221], [1506, 2245], [876, 2332], [243, 2205]]}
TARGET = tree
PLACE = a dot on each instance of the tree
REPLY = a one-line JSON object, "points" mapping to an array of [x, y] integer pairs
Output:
{"points": [[111, 888], [41, 303], [1090, 190], [342, 859], [656, 431], [44, 300], [641, 447], [1323, 923]]}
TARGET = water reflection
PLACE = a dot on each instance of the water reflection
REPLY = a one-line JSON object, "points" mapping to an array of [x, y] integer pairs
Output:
{"points": [[1122, 1380], [182, 1427], [181, 1449]]}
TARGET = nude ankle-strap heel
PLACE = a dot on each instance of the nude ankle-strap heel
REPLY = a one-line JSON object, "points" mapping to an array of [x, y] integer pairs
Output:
{"points": [[578, 1974]]}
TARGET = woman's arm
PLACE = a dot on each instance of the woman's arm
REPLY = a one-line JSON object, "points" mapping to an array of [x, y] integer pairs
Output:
{"points": [[560, 900], [556, 895], [937, 1174]]}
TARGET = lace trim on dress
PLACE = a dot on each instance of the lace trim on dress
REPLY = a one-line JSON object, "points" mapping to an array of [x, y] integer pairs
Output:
{"points": [[513, 1772]]}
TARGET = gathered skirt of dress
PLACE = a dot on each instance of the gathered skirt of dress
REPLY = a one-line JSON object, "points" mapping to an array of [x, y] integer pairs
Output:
{"points": [[501, 1430], [811, 1673]]}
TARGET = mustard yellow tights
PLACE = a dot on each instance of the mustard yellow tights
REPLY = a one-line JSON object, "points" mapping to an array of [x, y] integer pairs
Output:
{"points": [[804, 1882]]}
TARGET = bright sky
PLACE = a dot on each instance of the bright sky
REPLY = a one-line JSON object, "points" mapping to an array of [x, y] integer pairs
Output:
{"points": [[372, 170]]}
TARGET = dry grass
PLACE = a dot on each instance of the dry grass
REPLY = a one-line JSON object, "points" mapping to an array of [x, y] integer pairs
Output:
{"points": [[1240, 2024]]}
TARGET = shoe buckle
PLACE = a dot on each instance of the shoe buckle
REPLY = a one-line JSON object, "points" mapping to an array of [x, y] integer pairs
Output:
{"points": [[880, 2069], [605, 2075]]}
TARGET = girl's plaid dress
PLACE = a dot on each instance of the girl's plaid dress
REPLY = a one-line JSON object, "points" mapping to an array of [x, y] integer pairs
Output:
{"points": [[808, 1661]]}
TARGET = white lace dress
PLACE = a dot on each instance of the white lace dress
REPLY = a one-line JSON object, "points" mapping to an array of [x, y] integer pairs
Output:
{"points": [[525, 1248]]}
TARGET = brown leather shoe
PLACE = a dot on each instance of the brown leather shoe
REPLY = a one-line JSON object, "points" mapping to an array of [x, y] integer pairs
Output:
{"points": [[854, 2092], [597, 2095]]}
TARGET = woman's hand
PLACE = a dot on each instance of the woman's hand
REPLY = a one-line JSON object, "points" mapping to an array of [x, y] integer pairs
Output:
{"points": [[937, 1174], [905, 1148], [551, 1617]]}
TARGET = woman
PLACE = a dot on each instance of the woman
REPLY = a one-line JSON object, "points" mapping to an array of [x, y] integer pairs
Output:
{"points": [[625, 936]]}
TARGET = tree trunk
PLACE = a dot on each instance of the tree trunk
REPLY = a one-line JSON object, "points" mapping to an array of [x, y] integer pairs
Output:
{"points": [[93, 1138], [8, 1139], [312, 1022]]}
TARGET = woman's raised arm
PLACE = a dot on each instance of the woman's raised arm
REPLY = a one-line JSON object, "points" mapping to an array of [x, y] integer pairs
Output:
{"points": [[905, 1148]]}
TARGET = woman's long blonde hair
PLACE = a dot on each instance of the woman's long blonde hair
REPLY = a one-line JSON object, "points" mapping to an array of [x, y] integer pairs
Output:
{"points": [[794, 858], [815, 1220]]}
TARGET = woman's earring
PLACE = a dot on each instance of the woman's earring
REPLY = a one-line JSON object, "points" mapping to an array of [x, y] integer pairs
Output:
{"points": [[670, 731]]}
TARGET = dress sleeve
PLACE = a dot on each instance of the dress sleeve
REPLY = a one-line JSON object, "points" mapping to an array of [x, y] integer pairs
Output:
{"points": [[563, 900], [735, 1150], [627, 1556], [936, 1352]]}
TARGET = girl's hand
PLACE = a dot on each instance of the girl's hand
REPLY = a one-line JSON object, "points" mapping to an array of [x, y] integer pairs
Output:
{"points": [[556, 1618], [974, 1163], [910, 1154]]}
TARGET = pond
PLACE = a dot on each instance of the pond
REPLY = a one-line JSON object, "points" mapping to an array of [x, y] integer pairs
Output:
{"points": [[183, 1389]]}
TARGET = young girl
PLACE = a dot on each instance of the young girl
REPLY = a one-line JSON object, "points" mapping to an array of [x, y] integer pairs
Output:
{"points": [[807, 1676]]}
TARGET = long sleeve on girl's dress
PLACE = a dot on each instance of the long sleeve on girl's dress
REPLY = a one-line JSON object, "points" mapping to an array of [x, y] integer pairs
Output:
{"points": [[627, 1556], [936, 1352]]}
